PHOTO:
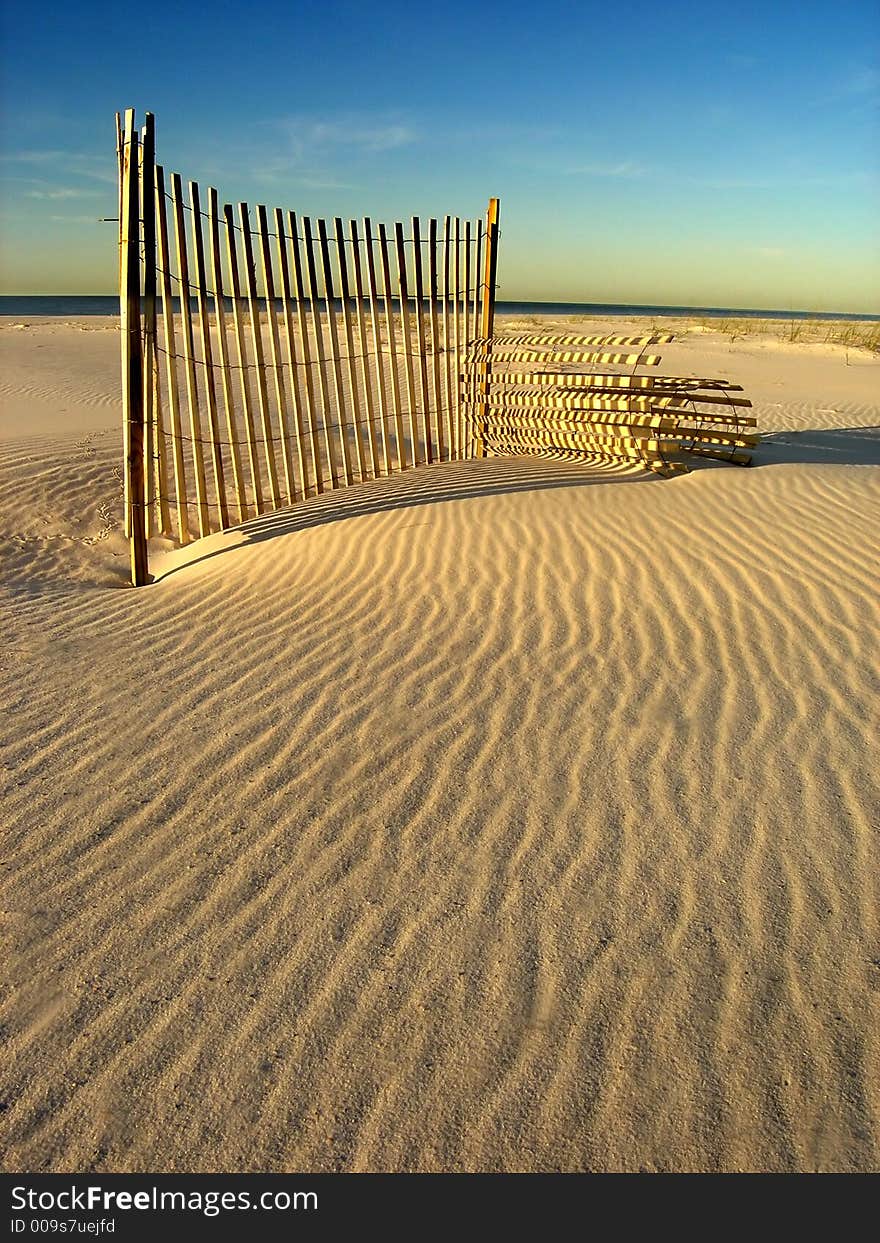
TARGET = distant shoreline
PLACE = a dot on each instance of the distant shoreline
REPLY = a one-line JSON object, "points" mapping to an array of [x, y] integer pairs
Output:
{"points": [[108, 304]]}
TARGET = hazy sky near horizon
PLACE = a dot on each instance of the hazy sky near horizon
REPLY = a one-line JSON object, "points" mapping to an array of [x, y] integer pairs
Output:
{"points": [[724, 154]]}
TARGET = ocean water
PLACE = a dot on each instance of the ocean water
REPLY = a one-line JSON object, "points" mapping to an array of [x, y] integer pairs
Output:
{"points": [[101, 304]]}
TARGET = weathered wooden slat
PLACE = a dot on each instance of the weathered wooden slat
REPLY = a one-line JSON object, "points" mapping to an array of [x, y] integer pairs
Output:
{"points": [[192, 394], [570, 418], [363, 347], [256, 476], [377, 345], [300, 449], [392, 354], [600, 380], [201, 285], [223, 356], [250, 274], [342, 411], [510, 354], [436, 386], [458, 425], [478, 278], [170, 349], [345, 298], [131, 355], [620, 447], [579, 400], [466, 288], [318, 334], [154, 489], [406, 336], [430, 451], [714, 435], [571, 340], [315, 453], [448, 353], [740, 456], [633, 430], [287, 460], [487, 325]]}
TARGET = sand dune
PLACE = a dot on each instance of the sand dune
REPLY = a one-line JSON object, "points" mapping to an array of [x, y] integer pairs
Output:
{"points": [[505, 815]]}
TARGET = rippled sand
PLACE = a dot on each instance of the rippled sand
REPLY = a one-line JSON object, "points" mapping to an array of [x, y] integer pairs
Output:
{"points": [[506, 815]]}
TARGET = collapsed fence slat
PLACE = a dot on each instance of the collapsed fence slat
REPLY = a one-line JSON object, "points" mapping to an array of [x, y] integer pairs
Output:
{"points": [[357, 272], [377, 345], [275, 352], [315, 452], [192, 393], [207, 354], [392, 354], [288, 306], [223, 355], [344, 297], [238, 323], [250, 274], [164, 257]]}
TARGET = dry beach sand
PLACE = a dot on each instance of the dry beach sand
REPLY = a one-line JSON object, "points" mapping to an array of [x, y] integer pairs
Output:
{"points": [[505, 815]]}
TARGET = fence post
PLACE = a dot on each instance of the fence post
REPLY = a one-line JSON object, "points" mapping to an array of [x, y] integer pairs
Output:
{"points": [[487, 323], [132, 353]]}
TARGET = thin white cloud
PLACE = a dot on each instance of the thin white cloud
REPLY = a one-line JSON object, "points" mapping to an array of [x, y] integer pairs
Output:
{"points": [[624, 168], [310, 135], [75, 163], [60, 192]]}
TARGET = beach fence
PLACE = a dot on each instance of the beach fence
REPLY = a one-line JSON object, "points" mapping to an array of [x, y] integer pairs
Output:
{"points": [[268, 357]]}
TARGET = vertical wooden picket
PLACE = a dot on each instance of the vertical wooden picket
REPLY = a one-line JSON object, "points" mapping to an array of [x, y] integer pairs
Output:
{"points": [[392, 353], [131, 355], [201, 274], [238, 325], [487, 324], [223, 354], [373, 287], [192, 394], [403, 288], [315, 452], [292, 359], [345, 296], [250, 277], [437, 388], [420, 336], [363, 349]]}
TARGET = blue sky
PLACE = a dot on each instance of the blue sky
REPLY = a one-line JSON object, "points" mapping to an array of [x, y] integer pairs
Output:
{"points": [[719, 154]]}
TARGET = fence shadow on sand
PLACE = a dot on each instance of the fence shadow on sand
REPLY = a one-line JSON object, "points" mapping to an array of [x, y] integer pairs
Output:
{"points": [[426, 485]]}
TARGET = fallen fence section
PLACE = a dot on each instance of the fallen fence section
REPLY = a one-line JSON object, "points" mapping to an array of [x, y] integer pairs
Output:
{"points": [[592, 397]]}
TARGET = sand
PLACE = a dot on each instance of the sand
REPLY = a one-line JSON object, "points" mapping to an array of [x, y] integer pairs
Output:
{"points": [[508, 815]]}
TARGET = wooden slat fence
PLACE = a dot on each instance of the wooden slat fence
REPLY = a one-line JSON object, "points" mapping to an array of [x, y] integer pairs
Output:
{"points": [[269, 357]]}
